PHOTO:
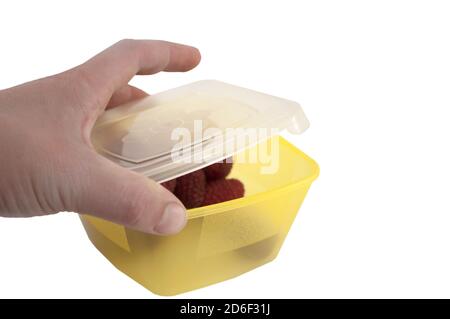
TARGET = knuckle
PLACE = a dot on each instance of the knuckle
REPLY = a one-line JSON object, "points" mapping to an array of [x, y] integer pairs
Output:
{"points": [[138, 47], [87, 89], [128, 43], [84, 83], [136, 202]]}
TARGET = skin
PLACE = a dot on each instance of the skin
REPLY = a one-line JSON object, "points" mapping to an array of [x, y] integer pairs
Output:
{"points": [[47, 162]]}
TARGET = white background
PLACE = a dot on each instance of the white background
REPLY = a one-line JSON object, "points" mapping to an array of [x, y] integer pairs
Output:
{"points": [[373, 78]]}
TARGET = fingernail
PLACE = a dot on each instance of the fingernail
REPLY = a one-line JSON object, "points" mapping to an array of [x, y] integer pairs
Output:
{"points": [[172, 220]]}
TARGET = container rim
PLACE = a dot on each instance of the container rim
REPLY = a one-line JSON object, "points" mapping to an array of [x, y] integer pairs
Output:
{"points": [[244, 201]]}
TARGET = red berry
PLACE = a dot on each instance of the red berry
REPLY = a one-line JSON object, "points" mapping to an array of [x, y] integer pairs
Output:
{"points": [[190, 189], [170, 185], [218, 170], [223, 190]]}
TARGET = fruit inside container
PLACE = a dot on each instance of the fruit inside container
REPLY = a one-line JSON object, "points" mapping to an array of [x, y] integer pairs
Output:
{"points": [[206, 186]]}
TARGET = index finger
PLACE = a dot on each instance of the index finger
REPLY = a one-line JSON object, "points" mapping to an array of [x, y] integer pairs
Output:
{"points": [[115, 66]]}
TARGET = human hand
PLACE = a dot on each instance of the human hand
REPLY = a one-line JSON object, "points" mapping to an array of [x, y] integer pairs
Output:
{"points": [[47, 161]]}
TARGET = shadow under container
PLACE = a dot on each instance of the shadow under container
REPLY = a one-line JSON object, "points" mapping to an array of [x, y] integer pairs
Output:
{"points": [[220, 241]]}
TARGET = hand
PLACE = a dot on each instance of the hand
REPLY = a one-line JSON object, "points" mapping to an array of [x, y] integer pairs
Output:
{"points": [[47, 162]]}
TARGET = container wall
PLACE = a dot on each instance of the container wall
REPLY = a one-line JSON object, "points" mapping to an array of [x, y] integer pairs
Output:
{"points": [[213, 247], [210, 249]]}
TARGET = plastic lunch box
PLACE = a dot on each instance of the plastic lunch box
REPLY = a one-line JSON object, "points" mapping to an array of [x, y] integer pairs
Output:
{"points": [[220, 241]]}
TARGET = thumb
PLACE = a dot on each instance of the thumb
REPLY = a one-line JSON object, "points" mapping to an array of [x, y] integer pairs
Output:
{"points": [[124, 197]]}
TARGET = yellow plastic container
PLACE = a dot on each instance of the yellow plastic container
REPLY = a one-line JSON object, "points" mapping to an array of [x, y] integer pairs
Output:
{"points": [[220, 241]]}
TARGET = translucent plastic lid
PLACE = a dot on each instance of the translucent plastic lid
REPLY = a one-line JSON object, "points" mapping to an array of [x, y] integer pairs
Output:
{"points": [[186, 128]]}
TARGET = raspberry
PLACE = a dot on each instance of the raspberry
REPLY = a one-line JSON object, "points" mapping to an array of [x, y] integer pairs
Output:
{"points": [[223, 190], [190, 189], [218, 170], [170, 185]]}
